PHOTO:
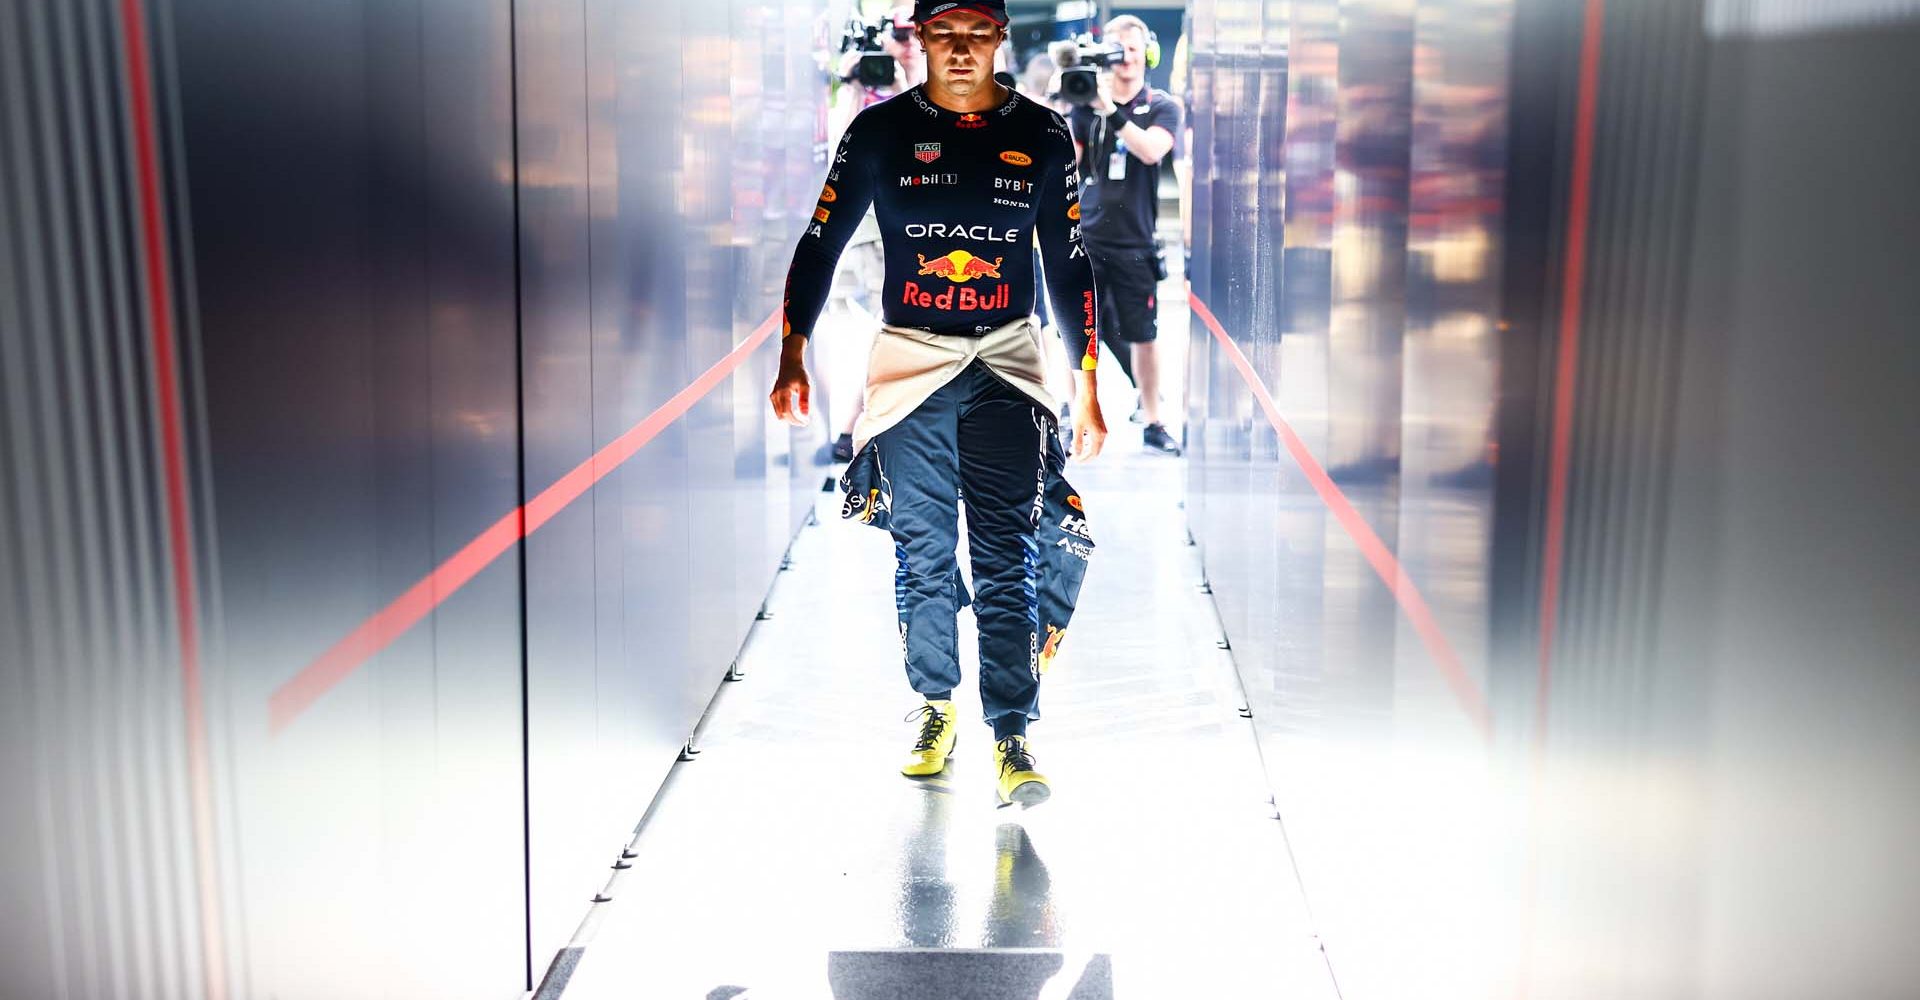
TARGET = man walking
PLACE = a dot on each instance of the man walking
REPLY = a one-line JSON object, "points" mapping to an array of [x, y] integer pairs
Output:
{"points": [[1124, 138], [961, 173]]}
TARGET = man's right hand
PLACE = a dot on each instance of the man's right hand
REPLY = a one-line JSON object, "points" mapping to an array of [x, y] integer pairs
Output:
{"points": [[792, 394]]}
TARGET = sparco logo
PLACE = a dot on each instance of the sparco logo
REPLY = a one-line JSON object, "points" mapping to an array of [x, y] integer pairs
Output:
{"points": [[942, 231]]}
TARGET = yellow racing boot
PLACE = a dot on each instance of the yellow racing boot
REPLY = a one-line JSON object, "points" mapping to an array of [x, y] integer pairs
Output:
{"points": [[937, 737], [1019, 782]]}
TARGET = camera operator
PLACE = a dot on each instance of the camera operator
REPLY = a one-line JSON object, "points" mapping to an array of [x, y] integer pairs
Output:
{"points": [[890, 43], [1124, 136], [887, 43]]}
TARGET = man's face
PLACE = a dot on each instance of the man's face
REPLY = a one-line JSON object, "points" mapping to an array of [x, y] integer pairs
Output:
{"points": [[1133, 42], [960, 49]]}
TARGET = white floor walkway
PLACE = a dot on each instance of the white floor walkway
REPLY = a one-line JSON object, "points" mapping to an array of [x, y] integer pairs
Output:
{"points": [[792, 860]]}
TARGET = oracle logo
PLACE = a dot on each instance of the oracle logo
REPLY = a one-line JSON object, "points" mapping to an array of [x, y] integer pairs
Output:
{"points": [[939, 230]]}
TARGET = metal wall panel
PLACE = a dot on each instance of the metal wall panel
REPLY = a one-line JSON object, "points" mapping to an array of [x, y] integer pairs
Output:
{"points": [[104, 889], [1348, 255], [1583, 670], [1726, 704], [350, 172], [663, 188], [302, 303]]}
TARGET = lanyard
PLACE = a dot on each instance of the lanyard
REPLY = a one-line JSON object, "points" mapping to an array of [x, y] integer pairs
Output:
{"points": [[1102, 129]]}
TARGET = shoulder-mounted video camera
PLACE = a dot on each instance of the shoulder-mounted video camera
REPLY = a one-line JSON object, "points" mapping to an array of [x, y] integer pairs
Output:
{"points": [[1080, 61], [875, 68]]}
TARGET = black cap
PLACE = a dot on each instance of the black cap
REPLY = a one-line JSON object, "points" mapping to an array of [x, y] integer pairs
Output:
{"points": [[992, 10]]}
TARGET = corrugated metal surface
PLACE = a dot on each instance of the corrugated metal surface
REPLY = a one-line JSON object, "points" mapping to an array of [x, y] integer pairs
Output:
{"points": [[1347, 248], [101, 891], [1578, 670], [286, 715]]}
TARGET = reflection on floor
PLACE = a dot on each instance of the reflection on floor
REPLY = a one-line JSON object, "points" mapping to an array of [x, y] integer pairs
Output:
{"points": [[792, 860]]}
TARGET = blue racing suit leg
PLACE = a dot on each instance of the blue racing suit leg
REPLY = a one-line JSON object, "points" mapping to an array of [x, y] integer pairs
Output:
{"points": [[980, 438], [1003, 444], [921, 458]]}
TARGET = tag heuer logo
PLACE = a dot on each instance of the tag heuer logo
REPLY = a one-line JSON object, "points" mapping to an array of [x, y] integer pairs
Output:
{"points": [[926, 152]]}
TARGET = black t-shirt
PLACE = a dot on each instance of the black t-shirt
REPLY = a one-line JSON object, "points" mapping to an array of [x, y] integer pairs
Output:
{"points": [[1122, 191], [958, 197]]}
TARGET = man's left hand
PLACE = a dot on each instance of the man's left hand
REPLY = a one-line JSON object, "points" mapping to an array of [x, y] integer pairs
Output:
{"points": [[1089, 427]]}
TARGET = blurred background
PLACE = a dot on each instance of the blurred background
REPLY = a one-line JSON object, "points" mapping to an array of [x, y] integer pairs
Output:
{"points": [[390, 499]]}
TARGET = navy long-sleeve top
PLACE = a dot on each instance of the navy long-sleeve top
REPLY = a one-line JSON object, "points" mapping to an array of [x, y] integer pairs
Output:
{"points": [[959, 197]]}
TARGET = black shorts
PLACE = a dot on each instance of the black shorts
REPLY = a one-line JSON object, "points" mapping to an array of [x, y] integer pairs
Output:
{"points": [[1127, 291]]}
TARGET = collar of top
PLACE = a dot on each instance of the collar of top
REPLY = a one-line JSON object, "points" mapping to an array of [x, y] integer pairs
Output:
{"points": [[963, 119], [992, 10]]}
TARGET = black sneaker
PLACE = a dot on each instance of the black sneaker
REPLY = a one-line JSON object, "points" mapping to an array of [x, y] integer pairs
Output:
{"points": [[843, 448], [1156, 438]]}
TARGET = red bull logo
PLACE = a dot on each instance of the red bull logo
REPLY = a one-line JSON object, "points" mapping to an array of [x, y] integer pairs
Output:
{"points": [[960, 266], [1054, 635], [1052, 649], [970, 120], [957, 296]]}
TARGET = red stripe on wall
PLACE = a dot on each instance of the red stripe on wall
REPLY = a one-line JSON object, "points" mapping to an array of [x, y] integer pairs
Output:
{"points": [[1560, 447], [166, 394], [389, 623], [1567, 358], [1381, 558]]}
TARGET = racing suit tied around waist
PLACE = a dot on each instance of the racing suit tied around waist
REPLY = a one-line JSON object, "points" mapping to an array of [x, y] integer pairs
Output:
{"points": [[907, 365]]}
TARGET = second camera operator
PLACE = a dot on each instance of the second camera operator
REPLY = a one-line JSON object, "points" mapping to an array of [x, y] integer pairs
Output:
{"points": [[1125, 131]]}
